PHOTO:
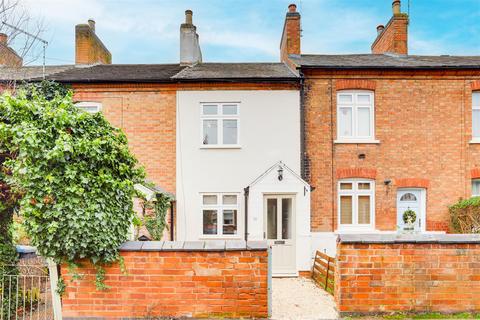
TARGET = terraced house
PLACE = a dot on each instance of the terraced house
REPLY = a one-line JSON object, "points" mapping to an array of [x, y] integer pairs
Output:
{"points": [[294, 152]]}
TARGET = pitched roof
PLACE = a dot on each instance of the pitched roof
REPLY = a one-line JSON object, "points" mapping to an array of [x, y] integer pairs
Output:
{"points": [[119, 73], [236, 71], [153, 72], [385, 61], [30, 73]]}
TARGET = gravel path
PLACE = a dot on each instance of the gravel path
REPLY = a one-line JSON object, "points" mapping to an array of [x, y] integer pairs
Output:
{"points": [[300, 298]]}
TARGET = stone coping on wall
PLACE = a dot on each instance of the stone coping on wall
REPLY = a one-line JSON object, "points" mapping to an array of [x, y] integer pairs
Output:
{"points": [[207, 245], [409, 238]]}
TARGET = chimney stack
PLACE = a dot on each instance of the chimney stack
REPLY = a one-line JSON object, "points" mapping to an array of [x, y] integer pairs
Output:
{"points": [[89, 49], [190, 52], [290, 42], [8, 56], [393, 38]]}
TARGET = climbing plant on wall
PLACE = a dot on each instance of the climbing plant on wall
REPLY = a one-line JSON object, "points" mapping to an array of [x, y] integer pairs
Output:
{"points": [[74, 171]]}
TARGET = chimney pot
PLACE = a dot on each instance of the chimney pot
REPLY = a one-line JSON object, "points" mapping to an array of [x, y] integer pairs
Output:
{"points": [[292, 7], [188, 17], [396, 7], [3, 38], [91, 23], [380, 29]]}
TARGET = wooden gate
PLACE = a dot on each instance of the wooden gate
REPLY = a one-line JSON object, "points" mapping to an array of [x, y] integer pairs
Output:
{"points": [[323, 271]]}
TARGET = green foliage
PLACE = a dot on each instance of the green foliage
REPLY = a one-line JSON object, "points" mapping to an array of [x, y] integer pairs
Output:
{"points": [[74, 171], [465, 216], [409, 216], [157, 223]]}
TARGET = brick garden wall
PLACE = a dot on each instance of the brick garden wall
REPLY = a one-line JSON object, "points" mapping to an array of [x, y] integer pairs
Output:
{"points": [[407, 273], [175, 279]]}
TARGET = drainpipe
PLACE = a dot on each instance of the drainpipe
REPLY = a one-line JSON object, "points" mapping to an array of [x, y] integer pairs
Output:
{"points": [[172, 222], [246, 192], [302, 127]]}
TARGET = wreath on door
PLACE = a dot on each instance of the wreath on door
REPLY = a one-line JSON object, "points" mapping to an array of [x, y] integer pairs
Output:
{"points": [[409, 216]]}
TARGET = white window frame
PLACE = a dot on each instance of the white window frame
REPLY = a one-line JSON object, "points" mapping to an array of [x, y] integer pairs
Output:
{"points": [[220, 207], [355, 105], [220, 118], [84, 104], [473, 194], [355, 192], [475, 139]]}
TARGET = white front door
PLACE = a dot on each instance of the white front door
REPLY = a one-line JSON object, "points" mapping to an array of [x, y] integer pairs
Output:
{"points": [[411, 199], [279, 231]]}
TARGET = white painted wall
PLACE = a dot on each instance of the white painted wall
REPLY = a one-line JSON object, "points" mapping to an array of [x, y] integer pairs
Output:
{"points": [[269, 132], [291, 184]]}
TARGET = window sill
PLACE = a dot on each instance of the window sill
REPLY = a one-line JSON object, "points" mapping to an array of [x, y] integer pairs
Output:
{"points": [[475, 141], [233, 146], [354, 230], [233, 237], [341, 141]]}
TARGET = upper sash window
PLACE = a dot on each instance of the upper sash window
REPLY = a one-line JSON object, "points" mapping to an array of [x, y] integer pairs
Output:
{"points": [[355, 115]]}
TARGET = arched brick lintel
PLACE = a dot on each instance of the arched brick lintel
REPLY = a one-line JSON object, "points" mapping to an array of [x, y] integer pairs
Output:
{"points": [[362, 84], [475, 173], [356, 173], [412, 183], [476, 85]]}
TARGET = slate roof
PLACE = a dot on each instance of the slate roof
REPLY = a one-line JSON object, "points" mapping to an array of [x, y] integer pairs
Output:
{"points": [[119, 73], [236, 71], [385, 61], [30, 73], [153, 72]]}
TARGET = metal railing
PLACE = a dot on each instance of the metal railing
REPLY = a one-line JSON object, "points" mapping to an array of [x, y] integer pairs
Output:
{"points": [[25, 293]]}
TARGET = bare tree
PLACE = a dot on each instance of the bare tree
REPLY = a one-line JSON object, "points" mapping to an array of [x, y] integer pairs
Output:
{"points": [[17, 48]]}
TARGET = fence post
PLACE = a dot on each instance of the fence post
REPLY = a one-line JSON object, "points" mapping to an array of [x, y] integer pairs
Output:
{"points": [[56, 301]]}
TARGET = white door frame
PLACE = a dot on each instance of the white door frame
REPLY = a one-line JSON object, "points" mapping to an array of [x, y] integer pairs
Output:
{"points": [[422, 205], [279, 196]]}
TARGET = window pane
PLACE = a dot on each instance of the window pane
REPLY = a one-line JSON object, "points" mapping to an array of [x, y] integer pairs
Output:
{"points": [[229, 109], [476, 123], [286, 218], [271, 218], [209, 221], [210, 109], [230, 131], [476, 99], [345, 122], [210, 199], [346, 186], [476, 187], [346, 209], [230, 199], [363, 99], [363, 122], [345, 98], [229, 221], [364, 186], [364, 209], [210, 132]]}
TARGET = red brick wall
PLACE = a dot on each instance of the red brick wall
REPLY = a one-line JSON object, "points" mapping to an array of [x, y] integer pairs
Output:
{"points": [[89, 49], [406, 277], [173, 284], [423, 123]]}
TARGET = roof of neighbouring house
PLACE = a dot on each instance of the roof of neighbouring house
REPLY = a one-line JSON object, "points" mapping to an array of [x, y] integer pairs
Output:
{"points": [[236, 71], [385, 61], [153, 72]]}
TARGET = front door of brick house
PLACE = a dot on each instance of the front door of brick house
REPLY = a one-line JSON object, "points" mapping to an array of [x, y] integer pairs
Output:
{"points": [[413, 199], [279, 231]]}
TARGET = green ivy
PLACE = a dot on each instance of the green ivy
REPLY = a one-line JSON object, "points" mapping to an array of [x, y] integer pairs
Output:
{"points": [[157, 223], [74, 171], [465, 216]]}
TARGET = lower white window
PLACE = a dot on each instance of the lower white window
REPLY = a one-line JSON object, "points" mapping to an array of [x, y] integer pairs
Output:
{"points": [[476, 187], [356, 204], [220, 214], [90, 107]]}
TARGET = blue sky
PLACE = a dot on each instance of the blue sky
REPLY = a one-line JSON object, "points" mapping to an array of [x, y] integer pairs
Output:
{"points": [[147, 31]]}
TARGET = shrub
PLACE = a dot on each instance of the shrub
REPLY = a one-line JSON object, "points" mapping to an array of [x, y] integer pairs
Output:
{"points": [[465, 216]]}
